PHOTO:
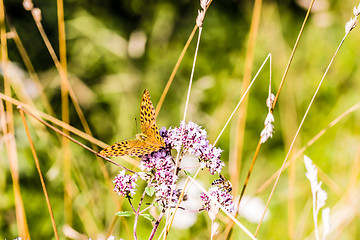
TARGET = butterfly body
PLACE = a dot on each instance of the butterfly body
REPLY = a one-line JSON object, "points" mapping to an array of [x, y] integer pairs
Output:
{"points": [[146, 142]]}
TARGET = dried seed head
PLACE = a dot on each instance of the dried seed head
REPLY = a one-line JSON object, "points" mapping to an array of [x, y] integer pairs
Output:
{"points": [[267, 132], [270, 100], [204, 4], [37, 14], [357, 11], [28, 5], [10, 35], [200, 18], [350, 25]]}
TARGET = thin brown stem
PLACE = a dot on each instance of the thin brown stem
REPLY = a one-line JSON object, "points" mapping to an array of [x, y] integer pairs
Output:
{"points": [[72, 139], [292, 54], [8, 129], [31, 70], [177, 65], [156, 225], [39, 172], [65, 114], [137, 213]]}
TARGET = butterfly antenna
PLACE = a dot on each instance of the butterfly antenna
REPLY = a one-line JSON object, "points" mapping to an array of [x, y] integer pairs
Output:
{"points": [[136, 126]]}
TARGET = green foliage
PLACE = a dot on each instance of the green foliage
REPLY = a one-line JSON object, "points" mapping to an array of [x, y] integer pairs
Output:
{"points": [[124, 214], [116, 49]]}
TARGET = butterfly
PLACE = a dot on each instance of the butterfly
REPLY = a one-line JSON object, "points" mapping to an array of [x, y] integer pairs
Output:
{"points": [[222, 182], [148, 141]]}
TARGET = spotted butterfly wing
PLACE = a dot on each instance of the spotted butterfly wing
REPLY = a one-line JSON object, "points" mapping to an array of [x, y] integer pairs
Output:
{"points": [[148, 122], [146, 142]]}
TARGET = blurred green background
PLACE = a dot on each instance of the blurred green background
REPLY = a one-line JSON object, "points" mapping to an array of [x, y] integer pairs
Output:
{"points": [[116, 49]]}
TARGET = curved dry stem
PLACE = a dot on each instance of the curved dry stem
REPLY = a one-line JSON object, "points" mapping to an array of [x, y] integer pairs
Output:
{"points": [[72, 139], [241, 99], [39, 172], [292, 54], [8, 128], [177, 65], [297, 133]]}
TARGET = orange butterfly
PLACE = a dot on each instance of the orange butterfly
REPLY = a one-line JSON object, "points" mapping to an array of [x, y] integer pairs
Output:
{"points": [[146, 142]]}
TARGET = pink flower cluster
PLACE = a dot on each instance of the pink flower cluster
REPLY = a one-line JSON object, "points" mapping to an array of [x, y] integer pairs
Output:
{"points": [[125, 184], [159, 167], [221, 195], [192, 139]]}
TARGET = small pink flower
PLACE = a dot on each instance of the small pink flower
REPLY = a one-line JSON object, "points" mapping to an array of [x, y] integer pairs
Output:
{"points": [[125, 184]]}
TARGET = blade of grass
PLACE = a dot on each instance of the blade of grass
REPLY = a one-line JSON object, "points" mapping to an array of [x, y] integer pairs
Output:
{"points": [[8, 130], [277, 96], [68, 193], [31, 70], [236, 159], [236, 156], [12, 157], [298, 130], [64, 80], [171, 78]]}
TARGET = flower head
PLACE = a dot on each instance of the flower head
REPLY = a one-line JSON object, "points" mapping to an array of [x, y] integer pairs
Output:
{"points": [[221, 195], [159, 168], [192, 139], [125, 184]]}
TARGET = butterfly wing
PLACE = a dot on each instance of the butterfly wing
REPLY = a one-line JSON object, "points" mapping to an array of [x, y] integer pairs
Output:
{"points": [[147, 112], [131, 147], [149, 141], [148, 121]]}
